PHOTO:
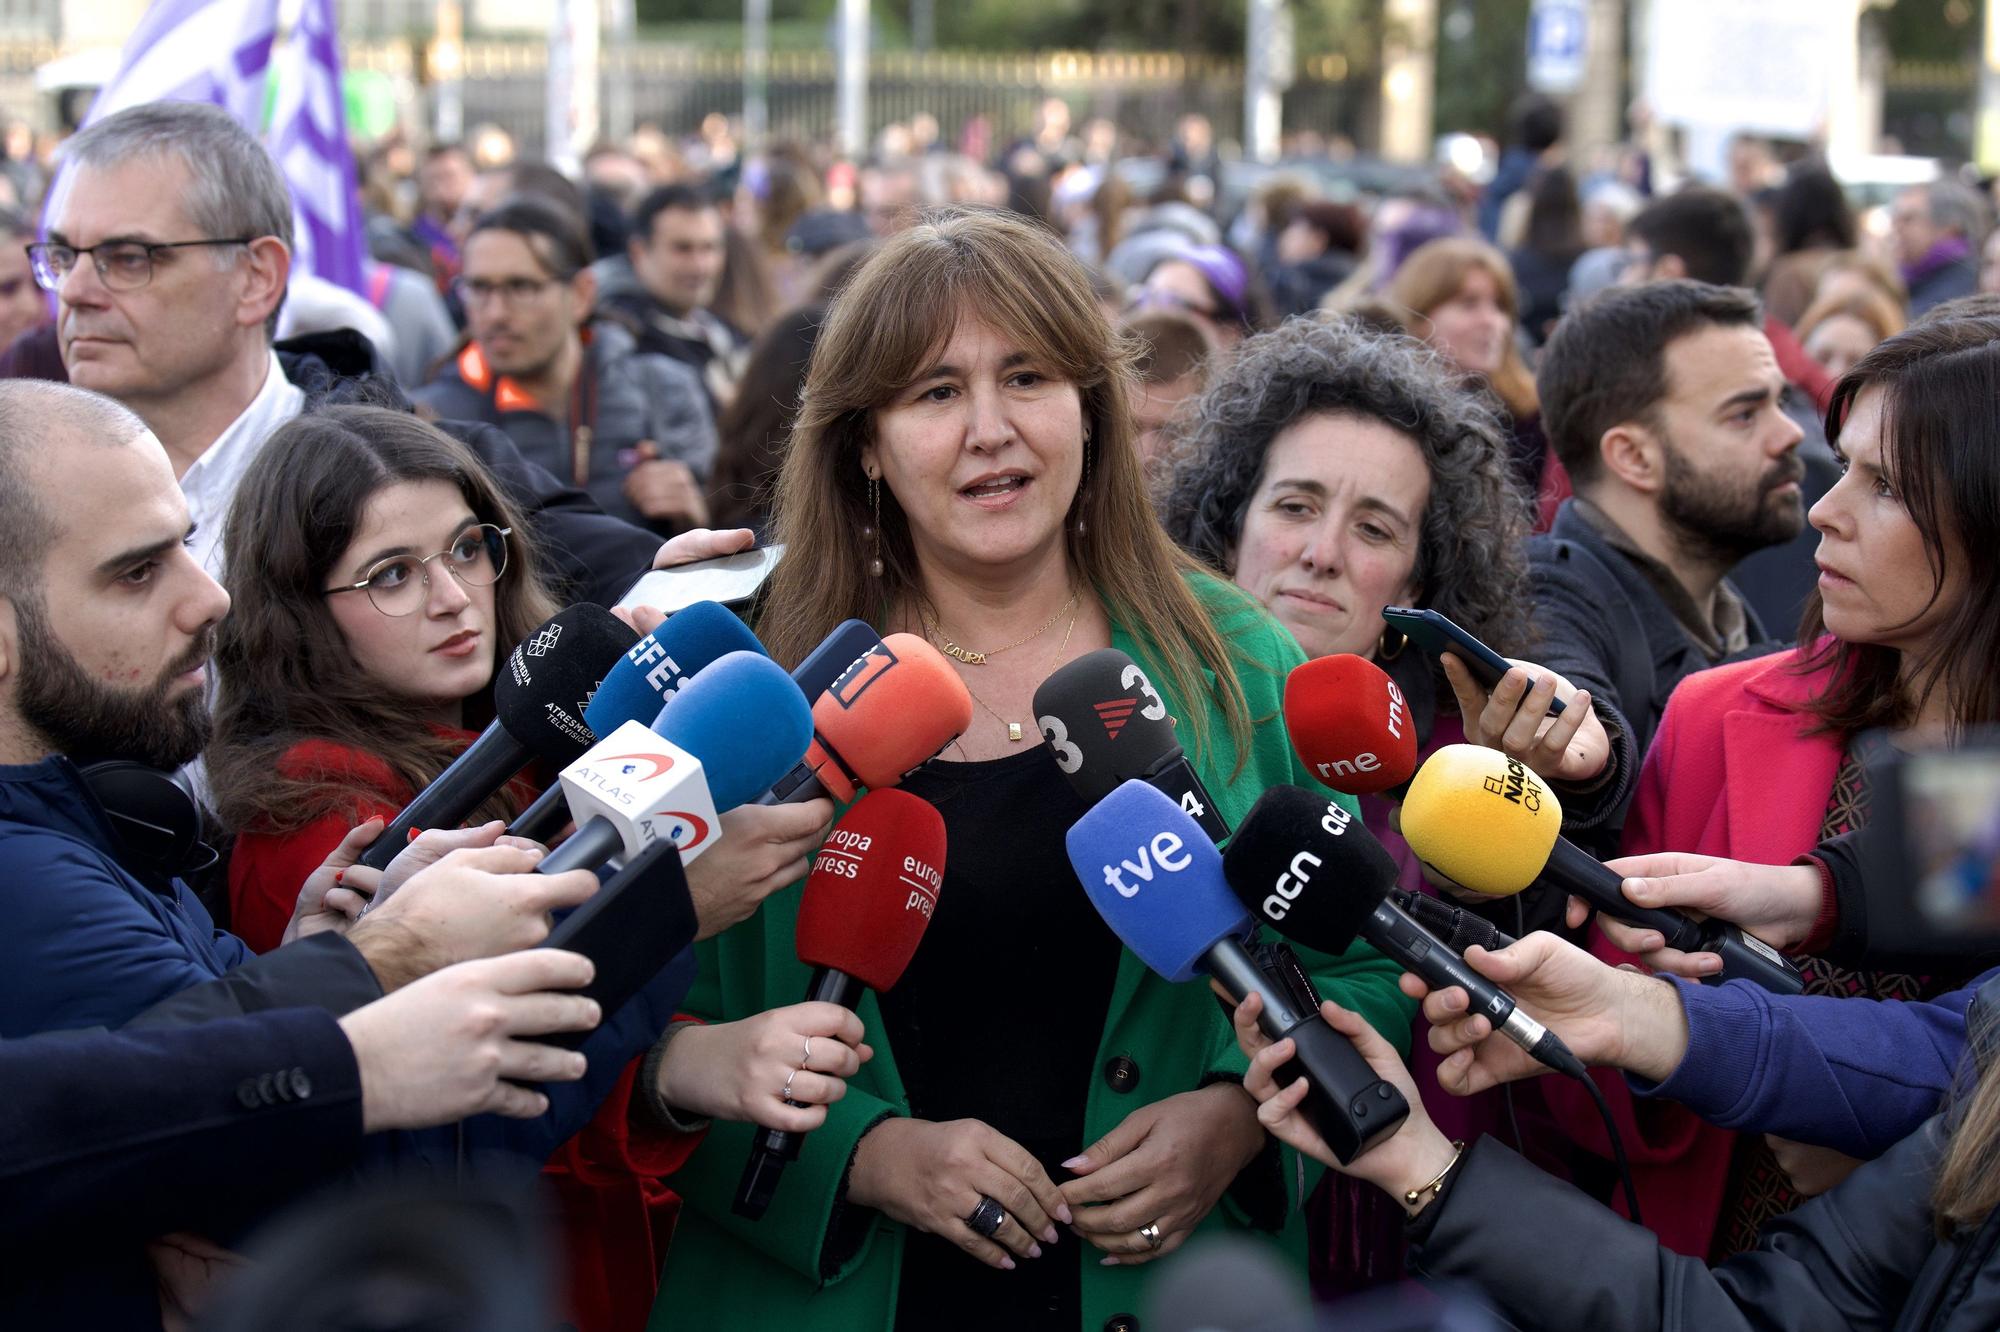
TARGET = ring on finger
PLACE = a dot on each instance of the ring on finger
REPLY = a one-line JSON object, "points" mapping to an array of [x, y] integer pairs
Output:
{"points": [[987, 1218], [1150, 1232], [809, 1053], [786, 1094]]}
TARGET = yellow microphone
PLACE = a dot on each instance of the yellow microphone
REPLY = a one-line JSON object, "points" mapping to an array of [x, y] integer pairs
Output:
{"points": [[1481, 819]]}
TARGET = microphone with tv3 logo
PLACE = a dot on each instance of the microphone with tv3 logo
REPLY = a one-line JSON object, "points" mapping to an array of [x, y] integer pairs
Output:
{"points": [[729, 731], [644, 681], [1312, 872], [1349, 725], [1106, 724], [1157, 879], [1488, 822], [893, 708], [871, 893], [540, 695]]}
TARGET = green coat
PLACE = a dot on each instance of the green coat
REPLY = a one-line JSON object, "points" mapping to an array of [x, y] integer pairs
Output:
{"points": [[724, 1272]]}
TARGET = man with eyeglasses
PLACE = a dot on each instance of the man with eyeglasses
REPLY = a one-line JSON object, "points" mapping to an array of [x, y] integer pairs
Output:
{"points": [[574, 392], [169, 251]]}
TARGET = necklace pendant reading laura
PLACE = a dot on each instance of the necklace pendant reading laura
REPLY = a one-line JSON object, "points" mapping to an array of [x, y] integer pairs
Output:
{"points": [[966, 655]]}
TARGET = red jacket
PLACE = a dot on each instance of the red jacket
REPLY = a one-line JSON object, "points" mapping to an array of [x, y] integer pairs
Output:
{"points": [[617, 1213], [1732, 772]]}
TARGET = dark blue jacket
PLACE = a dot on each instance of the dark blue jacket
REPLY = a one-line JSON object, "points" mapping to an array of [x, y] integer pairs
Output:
{"points": [[1856, 1075]]}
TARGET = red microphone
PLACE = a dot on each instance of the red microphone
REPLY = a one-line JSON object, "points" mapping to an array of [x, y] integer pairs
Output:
{"points": [[873, 887], [892, 709], [1349, 724]]}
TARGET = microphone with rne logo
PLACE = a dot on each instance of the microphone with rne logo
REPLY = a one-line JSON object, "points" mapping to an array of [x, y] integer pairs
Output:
{"points": [[1312, 872], [1487, 822], [892, 709], [872, 890], [1106, 724], [1349, 725], [644, 681], [730, 729], [540, 695], [1157, 879]]}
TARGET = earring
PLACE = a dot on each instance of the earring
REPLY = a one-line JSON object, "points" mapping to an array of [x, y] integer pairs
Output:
{"points": [[872, 534], [1383, 652], [1083, 490]]}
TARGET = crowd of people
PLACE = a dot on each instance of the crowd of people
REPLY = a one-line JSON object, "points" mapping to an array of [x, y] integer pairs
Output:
{"points": [[1715, 467]]}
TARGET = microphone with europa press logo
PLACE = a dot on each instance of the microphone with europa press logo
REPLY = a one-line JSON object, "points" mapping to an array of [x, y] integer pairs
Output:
{"points": [[872, 891], [893, 708], [1157, 879], [643, 682], [728, 733], [1486, 821], [1106, 724], [540, 695]]}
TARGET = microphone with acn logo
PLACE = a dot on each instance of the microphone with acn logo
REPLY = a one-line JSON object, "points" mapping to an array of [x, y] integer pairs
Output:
{"points": [[644, 681], [873, 888], [1157, 879], [1106, 724], [892, 709], [540, 694], [729, 731], [1313, 873], [1349, 725], [1486, 821]]}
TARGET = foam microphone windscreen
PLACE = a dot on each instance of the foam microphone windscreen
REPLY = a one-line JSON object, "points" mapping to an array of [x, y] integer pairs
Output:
{"points": [[1156, 878], [1308, 868], [850, 641], [873, 887], [746, 721], [544, 688], [1349, 724], [1481, 819], [889, 711], [664, 660], [1105, 722]]}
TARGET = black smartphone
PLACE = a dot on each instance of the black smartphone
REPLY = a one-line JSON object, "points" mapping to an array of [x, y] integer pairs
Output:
{"points": [[1436, 635], [638, 920]]}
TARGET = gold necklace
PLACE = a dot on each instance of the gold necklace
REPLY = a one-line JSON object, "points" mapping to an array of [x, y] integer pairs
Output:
{"points": [[1014, 732], [935, 628]]}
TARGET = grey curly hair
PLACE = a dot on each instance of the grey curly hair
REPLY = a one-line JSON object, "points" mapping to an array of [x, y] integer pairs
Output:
{"points": [[1471, 562]]}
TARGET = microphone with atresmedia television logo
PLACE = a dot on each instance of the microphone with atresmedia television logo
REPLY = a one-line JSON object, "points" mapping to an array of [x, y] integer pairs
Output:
{"points": [[644, 681], [540, 695], [871, 893], [1349, 725], [1157, 879], [1106, 724], [889, 711], [729, 730], [1317, 876], [1488, 822]]}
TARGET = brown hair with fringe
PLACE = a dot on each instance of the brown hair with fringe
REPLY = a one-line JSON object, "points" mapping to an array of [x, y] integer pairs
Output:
{"points": [[1435, 272]]}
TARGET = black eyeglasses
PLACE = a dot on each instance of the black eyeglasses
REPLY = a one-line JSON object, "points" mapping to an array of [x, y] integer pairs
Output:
{"points": [[401, 584], [123, 265]]}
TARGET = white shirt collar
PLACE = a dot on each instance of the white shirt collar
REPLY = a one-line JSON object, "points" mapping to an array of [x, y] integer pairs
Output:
{"points": [[210, 483]]}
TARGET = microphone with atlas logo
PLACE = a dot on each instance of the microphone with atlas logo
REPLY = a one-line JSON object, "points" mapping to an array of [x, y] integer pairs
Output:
{"points": [[1157, 879]]}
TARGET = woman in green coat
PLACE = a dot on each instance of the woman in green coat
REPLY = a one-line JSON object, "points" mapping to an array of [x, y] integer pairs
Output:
{"points": [[964, 468]]}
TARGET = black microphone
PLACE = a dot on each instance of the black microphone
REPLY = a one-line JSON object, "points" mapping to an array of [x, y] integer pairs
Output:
{"points": [[539, 696], [1311, 871], [636, 922], [1456, 927], [1106, 725]]}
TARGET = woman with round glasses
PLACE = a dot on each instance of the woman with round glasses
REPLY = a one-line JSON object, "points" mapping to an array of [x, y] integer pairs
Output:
{"points": [[375, 582]]}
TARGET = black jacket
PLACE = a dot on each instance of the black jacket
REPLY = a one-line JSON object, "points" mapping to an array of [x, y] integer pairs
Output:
{"points": [[592, 556], [1862, 1256]]}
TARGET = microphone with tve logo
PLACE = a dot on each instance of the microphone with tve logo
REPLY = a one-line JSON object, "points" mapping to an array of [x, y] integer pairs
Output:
{"points": [[871, 893], [1106, 724], [1349, 725], [1157, 880], [540, 694], [889, 711], [727, 733], [644, 681], [1488, 822], [1317, 876]]}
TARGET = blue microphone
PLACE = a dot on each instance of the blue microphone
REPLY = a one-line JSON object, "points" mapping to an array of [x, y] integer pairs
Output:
{"points": [[1157, 880], [644, 679], [731, 731]]}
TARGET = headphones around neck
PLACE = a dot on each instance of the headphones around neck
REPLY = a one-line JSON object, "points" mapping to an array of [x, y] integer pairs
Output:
{"points": [[156, 819]]}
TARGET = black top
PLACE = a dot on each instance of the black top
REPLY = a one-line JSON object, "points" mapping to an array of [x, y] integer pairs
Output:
{"points": [[998, 1018]]}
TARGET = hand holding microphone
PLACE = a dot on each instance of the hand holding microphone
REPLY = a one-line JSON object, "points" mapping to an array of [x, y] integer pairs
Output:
{"points": [[780, 1069], [1779, 904]]}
